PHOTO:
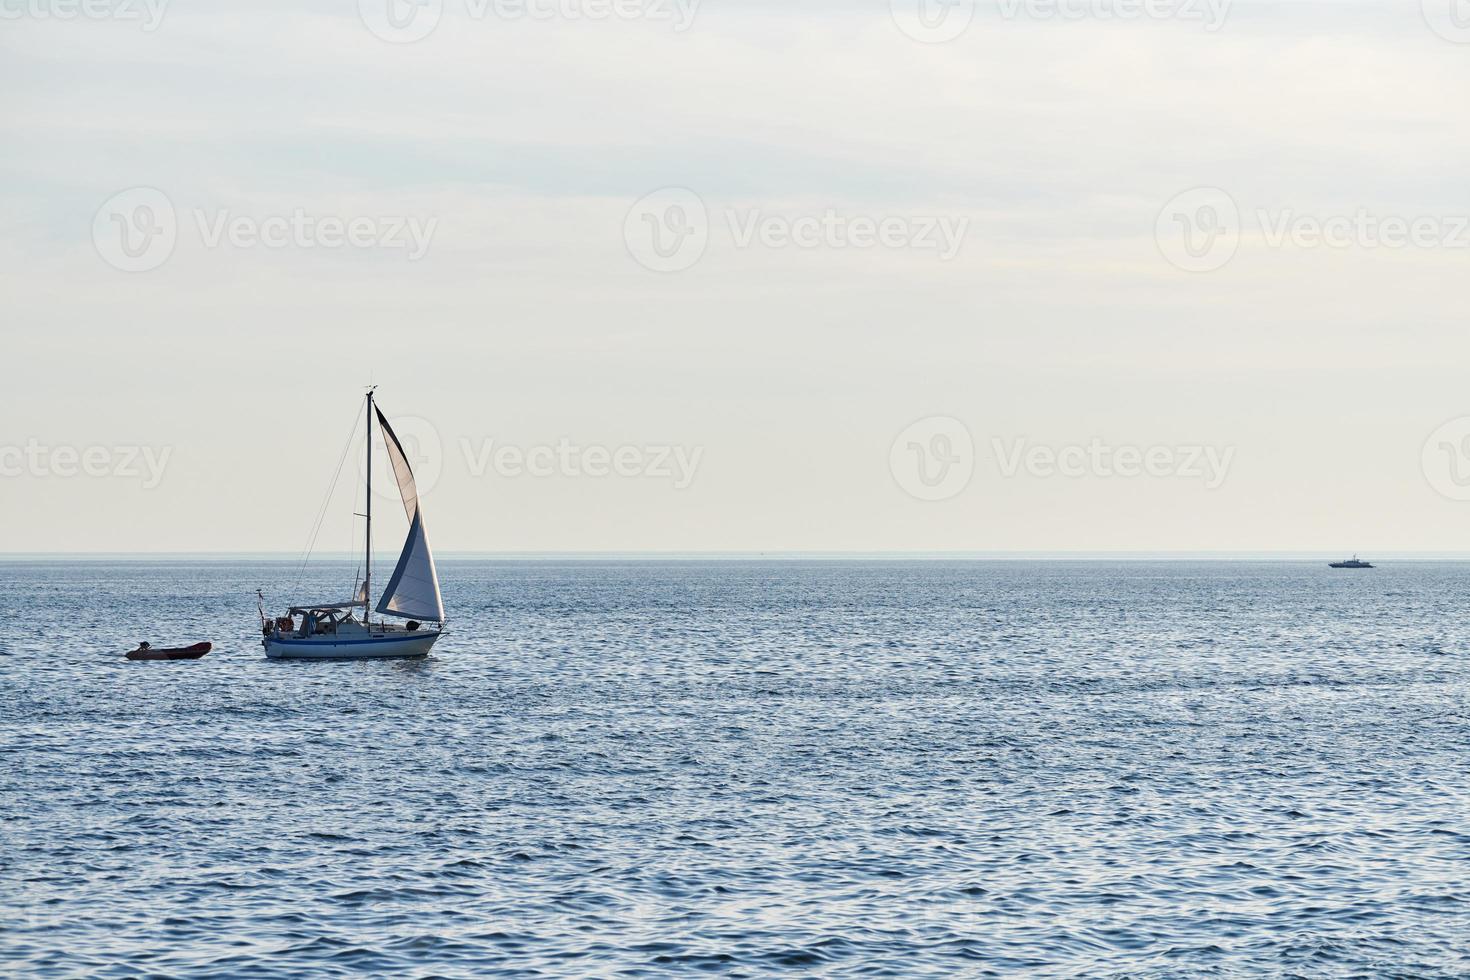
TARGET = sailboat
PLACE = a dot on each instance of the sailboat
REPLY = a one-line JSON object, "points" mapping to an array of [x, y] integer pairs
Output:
{"points": [[332, 630]]}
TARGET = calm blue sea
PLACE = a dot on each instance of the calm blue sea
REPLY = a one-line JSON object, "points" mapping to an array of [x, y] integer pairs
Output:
{"points": [[823, 768]]}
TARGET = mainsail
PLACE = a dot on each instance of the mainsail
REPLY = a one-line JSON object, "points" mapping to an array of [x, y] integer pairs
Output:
{"points": [[413, 591]]}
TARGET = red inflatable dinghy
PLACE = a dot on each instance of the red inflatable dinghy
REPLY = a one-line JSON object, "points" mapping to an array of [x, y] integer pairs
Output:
{"points": [[146, 652]]}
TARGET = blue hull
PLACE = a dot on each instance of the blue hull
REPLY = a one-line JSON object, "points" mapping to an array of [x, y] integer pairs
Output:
{"points": [[403, 646]]}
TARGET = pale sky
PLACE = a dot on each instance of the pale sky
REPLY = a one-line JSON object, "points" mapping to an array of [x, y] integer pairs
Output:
{"points": [[1290, 394]]}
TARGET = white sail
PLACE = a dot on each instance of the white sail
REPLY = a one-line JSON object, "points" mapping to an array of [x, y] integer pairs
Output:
{"points": [[413, 591]]}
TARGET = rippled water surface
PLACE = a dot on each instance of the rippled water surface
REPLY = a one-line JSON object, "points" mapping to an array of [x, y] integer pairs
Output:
{"points": [[658, 768]]}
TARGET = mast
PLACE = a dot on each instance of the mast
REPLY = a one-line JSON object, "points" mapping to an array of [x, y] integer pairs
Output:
{"points": [[367, 579]]}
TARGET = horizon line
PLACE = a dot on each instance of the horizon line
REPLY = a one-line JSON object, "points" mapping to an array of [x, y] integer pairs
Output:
{"points": [[774, 555]]}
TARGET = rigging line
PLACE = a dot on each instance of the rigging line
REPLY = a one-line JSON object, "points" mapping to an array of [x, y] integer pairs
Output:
{"points": [[352, 537], [327, 500]]}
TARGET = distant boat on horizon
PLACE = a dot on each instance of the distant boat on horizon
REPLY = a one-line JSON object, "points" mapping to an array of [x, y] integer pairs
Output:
{"points": [[330, 630], [1353, 562]]}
